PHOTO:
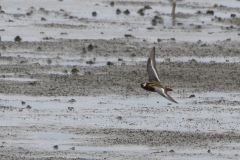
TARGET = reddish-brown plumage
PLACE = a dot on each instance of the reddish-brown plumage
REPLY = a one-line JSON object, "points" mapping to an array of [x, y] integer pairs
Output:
{"points": [[167, 89], [148, 88]]}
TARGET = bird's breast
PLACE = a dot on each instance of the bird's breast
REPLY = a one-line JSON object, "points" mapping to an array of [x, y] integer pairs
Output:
{"points": [[149, 88]]}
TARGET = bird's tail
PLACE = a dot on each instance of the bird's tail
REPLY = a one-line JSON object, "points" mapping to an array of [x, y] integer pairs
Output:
{"points": [[167, 89]]}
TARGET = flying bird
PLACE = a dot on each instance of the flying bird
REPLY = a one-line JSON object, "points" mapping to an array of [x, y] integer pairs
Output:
{"points": [[154, 84]]}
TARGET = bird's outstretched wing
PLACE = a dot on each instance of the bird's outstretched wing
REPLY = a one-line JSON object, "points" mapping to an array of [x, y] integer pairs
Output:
{"points": [[151, 67], [163, 93]]}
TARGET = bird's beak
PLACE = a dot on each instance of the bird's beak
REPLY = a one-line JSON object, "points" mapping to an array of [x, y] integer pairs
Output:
{"points": [[140, 87]]}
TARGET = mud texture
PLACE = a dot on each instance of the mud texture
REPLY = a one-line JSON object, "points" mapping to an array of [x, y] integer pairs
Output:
{"points": [[69, 85]]}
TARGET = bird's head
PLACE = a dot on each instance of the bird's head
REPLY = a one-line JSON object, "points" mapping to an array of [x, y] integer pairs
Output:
{"points": [[143, 85]]}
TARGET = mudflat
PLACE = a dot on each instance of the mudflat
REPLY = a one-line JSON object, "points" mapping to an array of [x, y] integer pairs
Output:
{"points": [[69, 82]]}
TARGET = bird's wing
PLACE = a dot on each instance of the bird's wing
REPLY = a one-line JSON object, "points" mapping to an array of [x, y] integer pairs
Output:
{"points": [[151, 67], [163, 93]]}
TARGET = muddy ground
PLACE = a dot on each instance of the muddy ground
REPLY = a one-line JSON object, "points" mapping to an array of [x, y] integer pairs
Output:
{"points": [[69, 87]]}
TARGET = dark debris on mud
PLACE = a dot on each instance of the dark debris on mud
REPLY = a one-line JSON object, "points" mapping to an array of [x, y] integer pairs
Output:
{"points": [[122, 80]]}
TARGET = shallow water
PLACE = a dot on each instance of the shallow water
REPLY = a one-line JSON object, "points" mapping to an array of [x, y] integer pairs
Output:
{"points": [[14, 11], [52, 135], [19, 79], [229, 3], [94, 148], [153, 100], [199, 158], [27, 38], [138, 24], [152, 112]]}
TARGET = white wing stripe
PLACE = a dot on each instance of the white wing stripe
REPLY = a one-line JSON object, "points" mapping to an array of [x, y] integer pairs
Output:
{"points": [[164, 92], [155, 72]]}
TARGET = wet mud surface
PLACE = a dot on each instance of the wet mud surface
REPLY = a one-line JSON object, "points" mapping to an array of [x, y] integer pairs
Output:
{"points": [[69, 88]]}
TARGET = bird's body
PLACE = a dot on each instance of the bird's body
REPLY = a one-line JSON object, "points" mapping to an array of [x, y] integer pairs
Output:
{"points": [[154, 84]]}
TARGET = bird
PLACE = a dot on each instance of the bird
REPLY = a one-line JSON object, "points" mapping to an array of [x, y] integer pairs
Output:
{"points": [[154, 84]]}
